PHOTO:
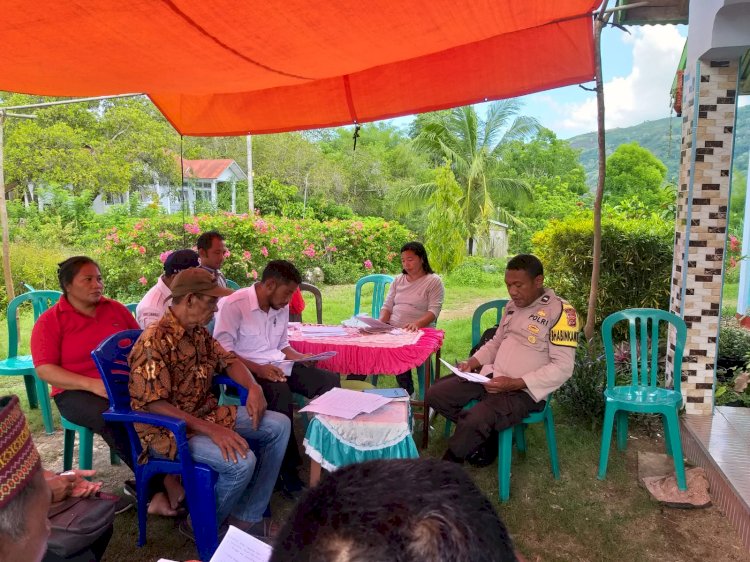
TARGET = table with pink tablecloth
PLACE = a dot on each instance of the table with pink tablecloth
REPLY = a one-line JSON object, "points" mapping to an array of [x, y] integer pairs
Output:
{"points": [[377, 354]]}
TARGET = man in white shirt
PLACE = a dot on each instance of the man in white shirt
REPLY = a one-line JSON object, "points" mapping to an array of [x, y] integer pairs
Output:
{"points": [[157, 300], [212, 252], [252, 322]]}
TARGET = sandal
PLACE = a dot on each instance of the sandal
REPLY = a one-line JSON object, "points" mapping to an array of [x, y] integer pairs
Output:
{"points": [[265, 529]]}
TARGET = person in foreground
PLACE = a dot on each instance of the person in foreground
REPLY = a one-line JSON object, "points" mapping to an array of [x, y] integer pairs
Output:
{"points": [[408, 510], [253, 324], [61, 344], [531, 355], [172, 366], [27, 491], [156, 300], [415, 298]]}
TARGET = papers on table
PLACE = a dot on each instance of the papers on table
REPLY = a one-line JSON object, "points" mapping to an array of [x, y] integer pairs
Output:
{"points": [[319, 356], [473, 377], [347, 404], [238, 546], [373, 325], [321, 331]]}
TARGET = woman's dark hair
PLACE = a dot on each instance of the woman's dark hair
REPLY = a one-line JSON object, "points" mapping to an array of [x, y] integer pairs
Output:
{"points": [[419, 250], [69, 268]]}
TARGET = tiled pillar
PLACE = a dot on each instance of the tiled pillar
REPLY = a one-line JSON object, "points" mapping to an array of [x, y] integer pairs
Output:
{"points": [[708, 119]]}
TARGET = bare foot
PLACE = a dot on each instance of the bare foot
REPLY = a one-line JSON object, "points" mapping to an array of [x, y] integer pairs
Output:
{"points": [[159, 505], [175, 491]]}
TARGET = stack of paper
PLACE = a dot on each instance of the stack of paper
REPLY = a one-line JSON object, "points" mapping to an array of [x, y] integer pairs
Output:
{"points": [[319, 356], [347, 404], [473, 377], [323, 331], [373, 325]]}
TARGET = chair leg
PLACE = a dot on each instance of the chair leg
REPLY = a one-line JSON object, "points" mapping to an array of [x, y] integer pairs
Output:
{"points": [[519, 432], [141, 487], [622, 430], [85, 449], [674, 437], [667, 438], [549, 429], [375, 381], [69, 439], [609, 420], [448, 428], [114, 459], [202, 514], [505, 446], [42, 394], [30, 383]]}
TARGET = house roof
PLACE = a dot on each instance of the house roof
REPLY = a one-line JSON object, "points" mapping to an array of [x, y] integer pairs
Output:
{"points": [[654, 12], [205, 169]]}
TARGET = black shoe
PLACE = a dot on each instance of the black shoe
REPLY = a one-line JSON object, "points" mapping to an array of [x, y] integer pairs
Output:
{"points": [[485, 455], [450, 457], [129, 489], [290, 486]]}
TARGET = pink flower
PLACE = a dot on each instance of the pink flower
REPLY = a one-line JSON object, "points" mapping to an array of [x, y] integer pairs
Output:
{"points": [[261, 226], [247, 255], [264, 251], [732, 262], [164, 255], [142, 250], [734, 244], [309, 251], [138, 225], [227, 254], [193, 228], [143, 280], [254, 274], [274, 240], [331, 249], [368, 264], [358, 225]]}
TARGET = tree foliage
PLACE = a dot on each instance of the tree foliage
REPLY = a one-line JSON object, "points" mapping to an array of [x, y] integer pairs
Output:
{"points": [[446, 233]]}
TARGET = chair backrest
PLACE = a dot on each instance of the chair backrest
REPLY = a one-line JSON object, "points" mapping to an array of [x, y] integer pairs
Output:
{"points": [[643, 337], [132, 306], [476, 320], [40, 301], [318, 303], [380, 283], [111, 358], [232, 284]]}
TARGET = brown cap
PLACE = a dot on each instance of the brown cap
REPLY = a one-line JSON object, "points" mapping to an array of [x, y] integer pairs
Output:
{"points": [[19, 459], [197, 281]]}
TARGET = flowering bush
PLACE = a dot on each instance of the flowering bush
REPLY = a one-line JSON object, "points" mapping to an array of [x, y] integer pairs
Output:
{"points": [[131, 254]]}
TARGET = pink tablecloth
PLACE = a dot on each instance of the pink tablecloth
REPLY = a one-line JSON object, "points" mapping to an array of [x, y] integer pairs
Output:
{"points": [[359, 355]]}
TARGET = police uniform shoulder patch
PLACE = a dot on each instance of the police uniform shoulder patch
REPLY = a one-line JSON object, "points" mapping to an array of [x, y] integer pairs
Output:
{"points": [[565, 331], [544, 299]]}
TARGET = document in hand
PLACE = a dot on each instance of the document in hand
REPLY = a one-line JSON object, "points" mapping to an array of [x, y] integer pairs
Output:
{"points": [[285, 365], [473, 377], [238, 546], [343, 403], [319, 356]]}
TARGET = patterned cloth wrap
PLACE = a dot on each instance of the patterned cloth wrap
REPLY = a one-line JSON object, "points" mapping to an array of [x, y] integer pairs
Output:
{"points": [[19, 459]]}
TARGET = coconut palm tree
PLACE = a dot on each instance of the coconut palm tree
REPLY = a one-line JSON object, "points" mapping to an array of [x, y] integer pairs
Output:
{"points": [[473, 147]]}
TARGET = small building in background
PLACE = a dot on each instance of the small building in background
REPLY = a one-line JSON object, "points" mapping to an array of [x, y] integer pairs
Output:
{"points": [[493, 244]]}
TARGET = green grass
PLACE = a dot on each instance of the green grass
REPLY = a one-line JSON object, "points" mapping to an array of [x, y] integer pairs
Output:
{"points": [[575, 518]]}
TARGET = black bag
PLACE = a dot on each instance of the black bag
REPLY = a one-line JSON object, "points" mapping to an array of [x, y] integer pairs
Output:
{"points": [[78, 522]]}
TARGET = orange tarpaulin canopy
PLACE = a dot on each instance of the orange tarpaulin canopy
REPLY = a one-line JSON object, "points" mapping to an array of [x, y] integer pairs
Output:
{"points": [[224, 67]]}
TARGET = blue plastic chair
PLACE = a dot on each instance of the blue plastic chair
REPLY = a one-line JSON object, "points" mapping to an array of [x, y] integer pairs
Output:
{"points": [[476, 334], [132, 307], [643, 395], [380, 283], [197, 478], [23, 365], [232, 284], [85, 446]]}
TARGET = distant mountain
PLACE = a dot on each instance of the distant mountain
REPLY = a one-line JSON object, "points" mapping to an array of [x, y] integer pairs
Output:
{"points": [[662, 137]]}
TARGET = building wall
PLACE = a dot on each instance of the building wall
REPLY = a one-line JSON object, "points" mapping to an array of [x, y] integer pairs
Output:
{"points": [[709, 107]]}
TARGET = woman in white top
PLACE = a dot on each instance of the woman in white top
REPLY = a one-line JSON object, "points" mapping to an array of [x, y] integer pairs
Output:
{"points": [[414, 299]]}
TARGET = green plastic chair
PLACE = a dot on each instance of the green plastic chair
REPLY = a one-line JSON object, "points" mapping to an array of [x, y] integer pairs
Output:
{"points": [[643, 395], [232, 284], [132, 307], [85, 446], [380, 283], [23, 365], [476, 334]]}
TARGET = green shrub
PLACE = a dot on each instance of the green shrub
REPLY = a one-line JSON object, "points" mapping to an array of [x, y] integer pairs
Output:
{"points": [[636, 262], [35, 266], [476, 272], [582, 394], [734, 341]]}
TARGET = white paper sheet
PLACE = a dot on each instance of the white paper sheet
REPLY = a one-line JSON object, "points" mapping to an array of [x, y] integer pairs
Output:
{"points": [[346, 404], [473, 377], [320, 356], [285, 365], [238, 546], [323, 331]]}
